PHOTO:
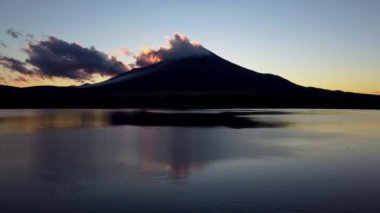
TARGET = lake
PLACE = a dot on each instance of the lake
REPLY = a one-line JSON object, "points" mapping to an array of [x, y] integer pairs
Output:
{"points": [[233, 160]]}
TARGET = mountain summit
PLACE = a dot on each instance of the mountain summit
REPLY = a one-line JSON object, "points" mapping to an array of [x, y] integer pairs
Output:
{"points": [[200, 74]]}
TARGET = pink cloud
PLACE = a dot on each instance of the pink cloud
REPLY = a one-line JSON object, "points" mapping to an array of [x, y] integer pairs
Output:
{"points": [[179, 46]]}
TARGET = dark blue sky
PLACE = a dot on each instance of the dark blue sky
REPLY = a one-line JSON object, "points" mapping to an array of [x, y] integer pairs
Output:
{"points": [[333, 44]]}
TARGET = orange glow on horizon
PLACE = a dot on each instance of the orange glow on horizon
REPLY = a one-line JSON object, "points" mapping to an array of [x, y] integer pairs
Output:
{"points": [[13, 79]]}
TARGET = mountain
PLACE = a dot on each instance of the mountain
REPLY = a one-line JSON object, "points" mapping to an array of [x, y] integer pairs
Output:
{"points": [[197, 74], [202, 81]]}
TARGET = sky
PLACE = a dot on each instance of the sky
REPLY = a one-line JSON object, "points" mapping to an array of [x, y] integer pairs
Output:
{"points": [[331, 44]]}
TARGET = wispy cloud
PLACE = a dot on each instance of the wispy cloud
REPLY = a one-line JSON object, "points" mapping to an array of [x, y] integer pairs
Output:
{"points": [[29, 36], [120, 52], [15, 65], [20, 79], [13, 33], [2, 80], [3, 44]]}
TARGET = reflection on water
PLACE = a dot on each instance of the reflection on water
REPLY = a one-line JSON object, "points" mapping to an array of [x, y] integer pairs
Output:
{"points": [[36, 120], [117, 161], [32, 121]]}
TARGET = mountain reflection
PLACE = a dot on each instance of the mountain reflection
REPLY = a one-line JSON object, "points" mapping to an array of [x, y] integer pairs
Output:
{"points": [[34, 121], [183, 150], [191, 119], [50, 156], [65, 157], [121, 165], [165, 151]]}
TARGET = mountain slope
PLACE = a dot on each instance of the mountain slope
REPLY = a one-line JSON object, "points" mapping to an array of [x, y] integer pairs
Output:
{"points": [[197, 74]]}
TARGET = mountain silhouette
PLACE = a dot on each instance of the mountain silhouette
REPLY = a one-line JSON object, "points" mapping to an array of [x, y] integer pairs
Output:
{"points": [[197, 74], [203, 81]]}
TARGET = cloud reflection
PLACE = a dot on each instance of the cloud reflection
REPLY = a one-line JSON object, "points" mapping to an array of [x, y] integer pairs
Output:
{"points": [[34, 121]]}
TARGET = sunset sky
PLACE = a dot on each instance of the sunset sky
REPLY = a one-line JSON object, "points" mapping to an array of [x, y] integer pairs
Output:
{"points": [[332, 44]]}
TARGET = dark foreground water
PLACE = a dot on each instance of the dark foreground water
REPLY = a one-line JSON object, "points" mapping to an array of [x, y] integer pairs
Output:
{"points": [[189, 161]]}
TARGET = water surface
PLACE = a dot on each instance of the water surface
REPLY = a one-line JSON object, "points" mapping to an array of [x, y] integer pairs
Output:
{"points": [[189, 161]]}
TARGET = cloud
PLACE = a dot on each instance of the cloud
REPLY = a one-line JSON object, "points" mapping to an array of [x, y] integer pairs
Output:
{"points": [[180, 46], [20, 79], [3, 44], [29, 36], [2, 80], [57, 58], [54, 57], [377, 92], [15, 65], [125, 51], [14, 33], [120, 52]]}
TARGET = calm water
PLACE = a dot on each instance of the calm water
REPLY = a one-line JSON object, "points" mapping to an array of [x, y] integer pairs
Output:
{"points": [[190, 161]]}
